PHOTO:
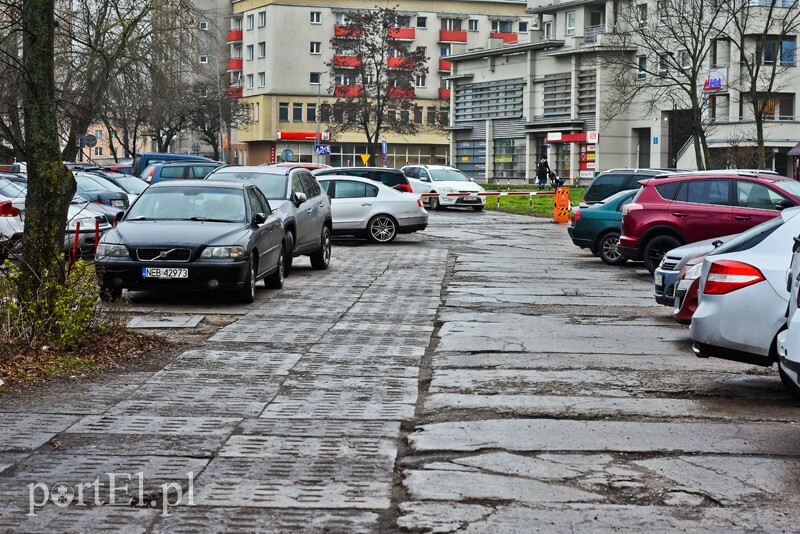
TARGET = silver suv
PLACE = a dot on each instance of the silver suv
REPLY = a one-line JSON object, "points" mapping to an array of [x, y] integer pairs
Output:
{"points": [[303, 207]]}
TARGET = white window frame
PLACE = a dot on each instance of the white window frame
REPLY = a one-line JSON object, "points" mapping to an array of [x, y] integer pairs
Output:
{"points": [[319, 78], [257, 112], [472, 25], [524, 26], [262, 49], [262, 79], [641, 73], [315, 17], [547, 29], [262, 19], [315, 47], [98, 151], [641, 14], [570, 30], [203, 59], [424, 22], [248, 81], [421, 81], [249, 52], [250, 22], [203, 25]]}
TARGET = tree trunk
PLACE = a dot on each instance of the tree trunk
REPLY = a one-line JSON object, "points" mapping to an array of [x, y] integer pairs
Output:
{"points": [[762, 150], [50, 185]]}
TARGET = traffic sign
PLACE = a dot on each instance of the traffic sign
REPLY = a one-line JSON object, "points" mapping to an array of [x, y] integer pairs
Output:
{"points": [[322, 150], [365, 158], [287, 154], [90, 140], [384, 147], [196, 148]]}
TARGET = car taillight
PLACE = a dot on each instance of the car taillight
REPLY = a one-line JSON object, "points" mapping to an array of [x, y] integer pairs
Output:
{"points": [[150, 176], [98, 201], [631, 207], [725, 276], [8, 210], [419, 203], [404, 187], [577, 214]]}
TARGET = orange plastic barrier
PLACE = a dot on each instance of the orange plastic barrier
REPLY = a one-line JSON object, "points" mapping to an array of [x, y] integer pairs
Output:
{"points": [[561, 206]]}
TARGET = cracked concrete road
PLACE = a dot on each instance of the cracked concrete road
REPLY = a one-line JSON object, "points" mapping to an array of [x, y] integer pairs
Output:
{"points": [[482, 376]]}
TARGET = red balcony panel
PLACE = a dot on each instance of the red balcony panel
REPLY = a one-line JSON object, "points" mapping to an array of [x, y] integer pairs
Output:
{"points": [[508, 38], [235, 63], [452, 36], [401, 92], [403, 34], [346, 31], [444, 65], [347, 90], [444, 93], [235, 36], [400, 63], [234, 92], [346, 61]]}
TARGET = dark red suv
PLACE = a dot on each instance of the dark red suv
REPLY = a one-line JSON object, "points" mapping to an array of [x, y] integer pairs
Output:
{"points": [[683, 208]]}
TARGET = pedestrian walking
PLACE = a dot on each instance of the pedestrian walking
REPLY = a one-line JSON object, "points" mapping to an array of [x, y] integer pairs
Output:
{"points": [[541, 173]]}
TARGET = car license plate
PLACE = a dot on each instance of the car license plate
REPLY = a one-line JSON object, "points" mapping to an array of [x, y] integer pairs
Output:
{"points": [[659, 279], [118, 203], [164, 272]]}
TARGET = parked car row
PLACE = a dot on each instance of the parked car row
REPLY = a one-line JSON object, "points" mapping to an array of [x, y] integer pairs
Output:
{"points": [[723, 247]]}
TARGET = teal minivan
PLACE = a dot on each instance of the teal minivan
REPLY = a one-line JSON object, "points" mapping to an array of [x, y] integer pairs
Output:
{"points": [[141, 161]]}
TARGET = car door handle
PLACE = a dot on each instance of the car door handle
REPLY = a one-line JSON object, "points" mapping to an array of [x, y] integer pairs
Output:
{"points": [[680, 214], [741, 217], [366, 203], [310, 210]]}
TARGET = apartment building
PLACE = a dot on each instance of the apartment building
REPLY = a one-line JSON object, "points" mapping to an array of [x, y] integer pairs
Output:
{"points": [[514, 104], [278, 57]]}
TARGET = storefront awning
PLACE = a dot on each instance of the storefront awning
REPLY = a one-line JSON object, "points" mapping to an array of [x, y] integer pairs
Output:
{"points": [[795, 151]]}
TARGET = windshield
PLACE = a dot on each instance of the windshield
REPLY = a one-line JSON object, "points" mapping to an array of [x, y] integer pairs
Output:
{"points": [[11, 189], [96, 185], [131, 184], [448, 175], [273, 185], [790, 186], [188, 203], [750, 238]]}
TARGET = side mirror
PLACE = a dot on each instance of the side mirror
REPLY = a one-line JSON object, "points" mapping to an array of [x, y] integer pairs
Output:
{"points": [[299, 198], [472, 179], [716, 243], [259, 218], [783, 204], [118, 217]]}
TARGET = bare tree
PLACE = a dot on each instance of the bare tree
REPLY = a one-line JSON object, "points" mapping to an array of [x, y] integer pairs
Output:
{"points": [[661, 57], [207, 105], [373, 76], [763, 32]]}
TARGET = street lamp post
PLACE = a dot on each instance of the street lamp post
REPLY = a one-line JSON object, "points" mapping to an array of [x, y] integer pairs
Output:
{"points": [[219, 102], [318, 136]]}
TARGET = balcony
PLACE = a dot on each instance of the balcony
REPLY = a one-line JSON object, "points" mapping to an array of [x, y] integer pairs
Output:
{"points": [[346, 32], [347, 90], [452, 36], [445, 66], [402, 92], [346, 61], [508, 38], [403, 34], [444, 93], [235, 36], [235, 91], [591, 34], [235, 63], [400, 63]]}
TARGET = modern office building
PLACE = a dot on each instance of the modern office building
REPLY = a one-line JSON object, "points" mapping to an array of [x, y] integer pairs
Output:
{"points": [[278, 57], [516, 103]]}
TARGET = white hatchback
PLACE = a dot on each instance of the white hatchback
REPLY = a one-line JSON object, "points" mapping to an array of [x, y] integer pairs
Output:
{"points": [[445, 180], [362, 207]]}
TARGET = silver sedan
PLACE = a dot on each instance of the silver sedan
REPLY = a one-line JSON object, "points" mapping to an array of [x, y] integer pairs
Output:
{"points": [[743, 295], [362, 207]]}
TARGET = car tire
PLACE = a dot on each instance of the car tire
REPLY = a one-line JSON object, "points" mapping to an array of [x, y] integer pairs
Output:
{"points": [[322, 258], [110, 294], [790, 386], [275, 280], [478, 208], [247, 294], [608, 249], [382, 229], [288, 247], [656, 248], [434, 202]]}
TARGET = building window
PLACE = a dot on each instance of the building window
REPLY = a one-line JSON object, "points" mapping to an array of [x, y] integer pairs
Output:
{"points": [[315, 47], [431, 116], [203, 25], [262, 49], [257, 112], [391, 114], [98, 151], [417, 115], [283, 111], [203, 59], [422, 22], [313, 78], [685, 59], [641, 61], [505, 26], [262, 19], [421, 81], [423, 51], [98, 134], [250, 22], [451, 24], [262, 79], [548, 30], [249, 81], [297, 112], [570, 23], [641, 15], [325, 113], [343, 79], [403, 21], [342, 20], [721, 53], [249, 52], [523, 27], [445, 50], [663, 64], [316, 17], [661, 11], [311, 112], [777, 107], [776, 50], [472, 25]]}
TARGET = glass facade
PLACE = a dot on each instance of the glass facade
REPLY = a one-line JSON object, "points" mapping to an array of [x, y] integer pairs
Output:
{"points": [[509, 159]]}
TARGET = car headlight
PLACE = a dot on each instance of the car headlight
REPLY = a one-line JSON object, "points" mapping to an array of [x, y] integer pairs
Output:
{"points": [[223, 252], [693, 272], [446, 190], [111, 251], [86, 222]]}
